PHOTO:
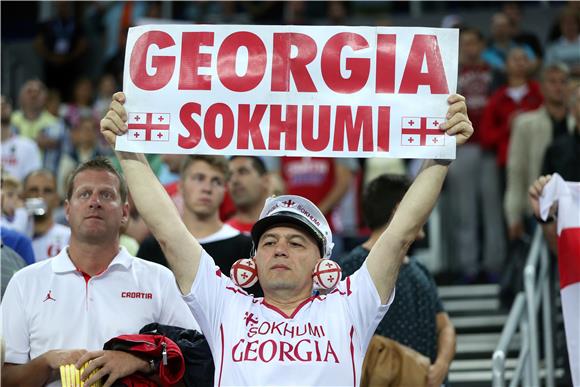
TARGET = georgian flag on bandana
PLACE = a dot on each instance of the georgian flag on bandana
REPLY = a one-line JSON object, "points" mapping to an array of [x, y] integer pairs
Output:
{"points": [[567, 194]]}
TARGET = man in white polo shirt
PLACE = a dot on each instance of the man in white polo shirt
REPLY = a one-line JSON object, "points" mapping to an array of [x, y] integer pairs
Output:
{"points": [[56, 310], [288, 337]]}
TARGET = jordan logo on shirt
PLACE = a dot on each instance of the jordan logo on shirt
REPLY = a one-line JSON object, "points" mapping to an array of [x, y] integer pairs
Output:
{"points": [[49, 296]]}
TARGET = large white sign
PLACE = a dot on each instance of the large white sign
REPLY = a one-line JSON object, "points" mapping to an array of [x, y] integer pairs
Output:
{"points": [[289, 90]]}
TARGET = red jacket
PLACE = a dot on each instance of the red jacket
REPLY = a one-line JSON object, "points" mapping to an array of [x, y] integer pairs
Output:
{"points": [[498, 115]]}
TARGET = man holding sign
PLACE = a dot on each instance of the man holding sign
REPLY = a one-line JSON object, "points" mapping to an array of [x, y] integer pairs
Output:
{"points": [[288, 337]]}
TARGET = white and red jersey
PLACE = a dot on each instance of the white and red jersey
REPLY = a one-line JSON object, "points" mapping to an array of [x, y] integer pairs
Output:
{"points": [[51, 243], [51, 305], [323, 343], [20, 156]]}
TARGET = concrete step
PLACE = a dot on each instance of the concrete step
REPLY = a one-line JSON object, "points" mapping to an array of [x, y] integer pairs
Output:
{"points": [[481, 305], [479, 364], [468, 291], [482, 343], [464, 322], [462, 378]]}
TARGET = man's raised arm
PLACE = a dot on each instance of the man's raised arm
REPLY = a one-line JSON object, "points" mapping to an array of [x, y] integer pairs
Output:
{"points": [[181, 249], [385, 257]]}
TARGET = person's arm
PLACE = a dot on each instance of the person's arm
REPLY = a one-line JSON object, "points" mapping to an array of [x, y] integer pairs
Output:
{"points": [[39, 371], [445, 350], [181, 249], [343, 178], [550, 229], [387, 254]]}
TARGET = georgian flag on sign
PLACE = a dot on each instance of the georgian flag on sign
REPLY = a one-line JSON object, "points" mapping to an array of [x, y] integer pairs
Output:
{"points": [[567, 194], [148, 126], [422, 131]]}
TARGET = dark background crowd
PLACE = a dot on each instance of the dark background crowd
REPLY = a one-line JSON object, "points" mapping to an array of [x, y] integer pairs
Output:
{"points": [[62, 61]]}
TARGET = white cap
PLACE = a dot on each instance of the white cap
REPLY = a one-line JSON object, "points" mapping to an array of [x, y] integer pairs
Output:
{"points": [[298, 211]]}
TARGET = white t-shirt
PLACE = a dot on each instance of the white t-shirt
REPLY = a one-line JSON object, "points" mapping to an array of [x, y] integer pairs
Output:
{"points": [[51, 243], [50, 305], [323, 343], [20, 156]]}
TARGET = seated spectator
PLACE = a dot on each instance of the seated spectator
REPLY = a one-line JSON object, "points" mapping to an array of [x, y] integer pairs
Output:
{"points": [[84, 147], [501, 42], [14, 215], [202, 186], [18, 242], [81, 104], [20, 155], [248, 186], [54, 312], [36, 123], [566, 48], [11, 262], [514, 12], [49, 237], [416, 318], [61, 43], [563, 154]]}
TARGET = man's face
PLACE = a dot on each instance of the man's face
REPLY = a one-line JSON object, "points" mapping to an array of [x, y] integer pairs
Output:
{"points": [[203, 188], [517, 63], [246, 185], [95, 211], [286, 257], [555, 87], [470, 46], [43, 186], [33, 95]]}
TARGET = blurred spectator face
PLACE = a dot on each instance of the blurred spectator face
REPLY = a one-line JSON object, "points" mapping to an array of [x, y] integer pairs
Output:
{"points": [[246, 185], [33, 95], [5, 111], [10, 196], [63, 9], [107, 85], [555, 86], [501, 29], [84, 134], [83, 92], [203, 189], [173, 162], [53, 102], [470, 46], [42, 184], [517, 63], [569, 26]]}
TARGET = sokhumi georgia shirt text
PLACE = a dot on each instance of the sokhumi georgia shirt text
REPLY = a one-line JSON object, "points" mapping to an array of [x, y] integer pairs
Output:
{"points": [[322, 343]]}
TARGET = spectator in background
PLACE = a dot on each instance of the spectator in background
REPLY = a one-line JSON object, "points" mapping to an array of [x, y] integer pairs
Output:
{"points": [[202, 185], [501, 42], [61, 43], [514, 12], [49, 237], [567, 47], [84, 147], [36, 123], [11, 262], [14, 215], [416, 318], [474, 220], [563, 154], [18, 242], [249, 187], [81, 104], [20, 155], [531, 134], [106, 88], [518, 95]]}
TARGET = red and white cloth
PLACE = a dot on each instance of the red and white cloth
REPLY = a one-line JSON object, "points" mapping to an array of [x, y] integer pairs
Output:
{"points": [[567, 194]]}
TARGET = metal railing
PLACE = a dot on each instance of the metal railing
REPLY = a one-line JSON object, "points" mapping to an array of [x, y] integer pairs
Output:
{"points": [[524, 314]]}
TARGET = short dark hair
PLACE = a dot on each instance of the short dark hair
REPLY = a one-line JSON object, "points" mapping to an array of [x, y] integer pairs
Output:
{"points": [[220, 163], [472, 30], [381, 197], [257, 163], [97, 164], [41, 171]]}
